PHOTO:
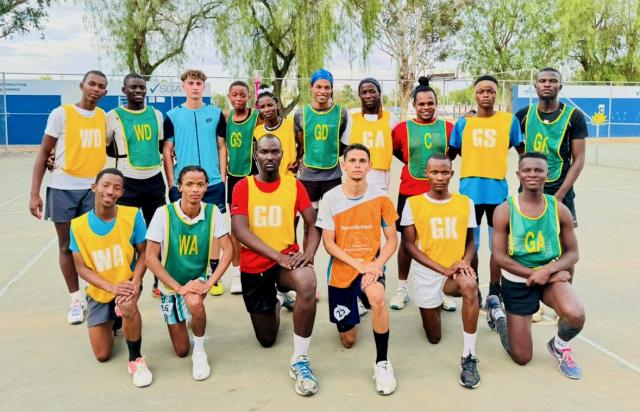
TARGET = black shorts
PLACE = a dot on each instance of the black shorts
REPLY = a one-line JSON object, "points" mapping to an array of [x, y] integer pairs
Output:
{"points": [[402, 201], [231, 183], [568, 201], [146, 194], [317, 188], [259, 290], [520, 299], [485, 209], [343, 304], [213, 195]]}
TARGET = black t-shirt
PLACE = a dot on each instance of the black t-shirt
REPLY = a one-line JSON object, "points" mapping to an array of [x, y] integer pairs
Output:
{"points": [[576, 129]]}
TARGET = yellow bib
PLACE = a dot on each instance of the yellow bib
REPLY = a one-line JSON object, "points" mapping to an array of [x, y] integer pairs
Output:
{"points": [[271, 215], [376, 136], [84, 143], [110, 256], [485, 143], [441, 228], [287, 137]]}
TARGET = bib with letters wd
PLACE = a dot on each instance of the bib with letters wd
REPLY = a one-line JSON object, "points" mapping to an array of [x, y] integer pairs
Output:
{"points": [[111, 255], [441, 227], [376, 136], [534, 241], [485, 143], [84, 142], [140, 137]]}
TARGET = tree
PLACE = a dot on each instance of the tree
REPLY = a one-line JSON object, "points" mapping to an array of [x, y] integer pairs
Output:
{"points": [[144, 34], [287, 39], [416, 34], [21, 16]]}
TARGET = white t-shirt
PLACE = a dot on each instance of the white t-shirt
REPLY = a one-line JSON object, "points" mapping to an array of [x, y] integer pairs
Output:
{"points": [[57, 128], [114, 130]]}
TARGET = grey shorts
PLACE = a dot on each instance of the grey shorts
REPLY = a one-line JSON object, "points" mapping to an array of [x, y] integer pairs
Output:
{"points": [[99, 313], [63, 205]]}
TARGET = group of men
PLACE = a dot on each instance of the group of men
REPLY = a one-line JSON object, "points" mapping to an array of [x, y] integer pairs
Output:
{"points": [[332, 169]]}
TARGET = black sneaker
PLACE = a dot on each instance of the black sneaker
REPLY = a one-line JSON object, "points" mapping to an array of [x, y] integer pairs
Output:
{"points": [[469, 376], [497, 320]]}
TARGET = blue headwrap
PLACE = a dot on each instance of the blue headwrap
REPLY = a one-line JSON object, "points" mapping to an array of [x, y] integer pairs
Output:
{"points": [[321, 74]]}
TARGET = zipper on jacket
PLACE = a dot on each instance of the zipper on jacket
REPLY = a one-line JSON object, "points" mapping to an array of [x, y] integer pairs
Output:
{"points": [[195, 121]]}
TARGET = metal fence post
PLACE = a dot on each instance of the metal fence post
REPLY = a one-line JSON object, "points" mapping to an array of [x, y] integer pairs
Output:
{"points": [[5, 114]]}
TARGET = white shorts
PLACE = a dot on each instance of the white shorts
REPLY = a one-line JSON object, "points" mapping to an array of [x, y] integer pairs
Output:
{"points": [[379, 179], [425, 286]]}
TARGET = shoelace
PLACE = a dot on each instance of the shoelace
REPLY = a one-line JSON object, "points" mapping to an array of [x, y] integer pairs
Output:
{"points": [[567, 357], [303, 369]]}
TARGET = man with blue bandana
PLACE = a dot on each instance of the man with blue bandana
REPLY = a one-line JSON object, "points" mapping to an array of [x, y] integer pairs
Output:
{"points": [[320, 128]]}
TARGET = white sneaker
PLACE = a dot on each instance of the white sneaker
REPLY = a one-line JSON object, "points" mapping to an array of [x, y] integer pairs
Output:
{"points": [[76, 313], [537, 317], [201, 369], [384, 377], [141, 374], [448, 304], [362, 310], [399, 299], [236, 284]]}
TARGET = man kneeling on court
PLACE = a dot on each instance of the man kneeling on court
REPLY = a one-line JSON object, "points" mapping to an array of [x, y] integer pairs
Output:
{"points": [[438, 235], [535, 246], [108, 248], [181, 234], [263, 210]]}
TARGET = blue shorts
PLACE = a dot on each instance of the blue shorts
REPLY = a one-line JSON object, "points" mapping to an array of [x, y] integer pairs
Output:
{"points": [[343, 304]]}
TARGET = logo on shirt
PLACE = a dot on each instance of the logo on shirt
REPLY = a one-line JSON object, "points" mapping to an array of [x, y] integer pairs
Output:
{"points": [[208, 120], [340, 312]]}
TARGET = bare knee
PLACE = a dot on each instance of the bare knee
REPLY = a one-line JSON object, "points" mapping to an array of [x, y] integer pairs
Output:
{"points": [[376, 299], [129, 308], [181, 350], [432, 337], [266, 341], [195, 305], [469, 288], [521, 358], [103, 355], [306, 287], [347, 340], [574, 315]]}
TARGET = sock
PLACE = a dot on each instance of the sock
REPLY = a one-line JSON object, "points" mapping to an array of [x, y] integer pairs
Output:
{"points": [[155, 282], [198, 343], [402, 284], [213, 264], [382, 344], [494, 288], [134, 349], [76, 296], [559, 344], [300, 347], [469, 344]]}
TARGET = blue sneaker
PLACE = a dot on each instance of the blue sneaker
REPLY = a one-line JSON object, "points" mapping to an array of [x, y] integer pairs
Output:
{"points": [[566, 365], [497, 320], [306, 383]]}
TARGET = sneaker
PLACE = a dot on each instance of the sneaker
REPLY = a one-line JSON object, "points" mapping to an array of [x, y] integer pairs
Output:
{"points": [[217, 289], [155, 293], [497, 320], [306, 383], [236, 284], [480, 299], [117, 326], [537, 317], [566, 365], [287, 300], [76, 313], [399, 299], [384, 377], [201, 369], [141, 374], [362, 310], [469, 376], [448, 305]]}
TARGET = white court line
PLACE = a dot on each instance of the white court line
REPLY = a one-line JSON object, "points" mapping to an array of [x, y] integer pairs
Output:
{"points": [[608, 206], [14, 199], [27, 266]]}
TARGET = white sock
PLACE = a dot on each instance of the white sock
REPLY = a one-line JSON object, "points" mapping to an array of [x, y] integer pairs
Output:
{"points": [[469, 344], [402, 284], [198, 343], [559, 344], [76, 296], [300, 347]]}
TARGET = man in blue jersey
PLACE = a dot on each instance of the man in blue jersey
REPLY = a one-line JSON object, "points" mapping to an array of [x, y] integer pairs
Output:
{"points": [[195, 133]]}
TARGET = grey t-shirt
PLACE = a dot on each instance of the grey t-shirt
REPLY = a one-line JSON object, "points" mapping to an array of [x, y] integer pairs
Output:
{"points": [[309, 173]]}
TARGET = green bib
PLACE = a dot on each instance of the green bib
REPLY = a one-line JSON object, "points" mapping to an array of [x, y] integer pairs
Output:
{"points": [[140, 137], [186, 254], [534, 241], [423, 140], [547, 138], [321, 131], [240, 144]]}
